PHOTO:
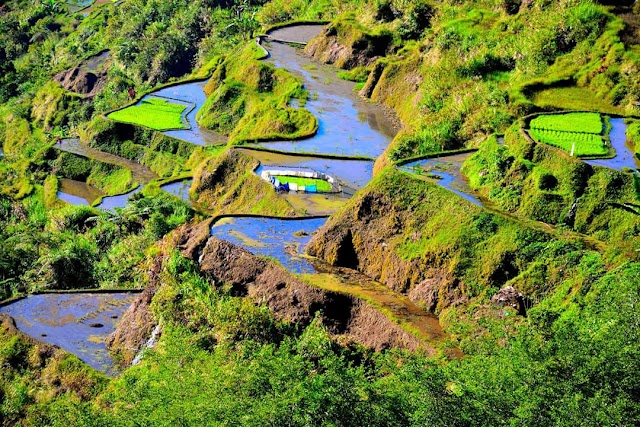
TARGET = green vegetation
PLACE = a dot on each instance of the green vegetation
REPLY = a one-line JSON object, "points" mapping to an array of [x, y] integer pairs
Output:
{"points": [[471, 72], [577, 143], [573, 98], [79, 247], [249, 100], [572, 122], [154, 113], [226, 184], [320, 184], [109, 179], [538, 182], [563, 233], [164, 155]]}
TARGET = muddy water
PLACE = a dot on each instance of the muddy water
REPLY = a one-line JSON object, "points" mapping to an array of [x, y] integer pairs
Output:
{"points": [[111, 202], [347, 125], [179, 189], [93, 7], [96, 62], [78, 323], [80, 193], [141, 173], [77, 192], [625, 157], [445, 171], [297, 33], [193, 94], [279, 239], [77, 5]]}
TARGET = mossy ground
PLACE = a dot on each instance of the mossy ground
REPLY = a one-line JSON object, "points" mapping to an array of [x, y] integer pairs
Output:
{"points": [[543, 183], [228, 185], [109, 179]]}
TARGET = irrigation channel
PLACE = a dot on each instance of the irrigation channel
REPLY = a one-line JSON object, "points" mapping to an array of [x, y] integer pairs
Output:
{"points": [[348, 126]]}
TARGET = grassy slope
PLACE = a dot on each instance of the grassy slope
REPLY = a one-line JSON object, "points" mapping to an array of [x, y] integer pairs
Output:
{"points": [[248, 100], [227, 185], [472, 72], [542, 183], [109, 179], [164, 155]]}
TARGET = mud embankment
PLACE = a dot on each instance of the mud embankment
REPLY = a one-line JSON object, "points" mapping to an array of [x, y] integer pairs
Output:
{"points": [[87, 78], [347, 46], [368, 234], [348, 318], [292, 300]]}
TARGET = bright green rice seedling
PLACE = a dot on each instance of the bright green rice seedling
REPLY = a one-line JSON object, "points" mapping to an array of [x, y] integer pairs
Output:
{"points": [[155, 113], [586, 144], [322, 185], [572, 122]]}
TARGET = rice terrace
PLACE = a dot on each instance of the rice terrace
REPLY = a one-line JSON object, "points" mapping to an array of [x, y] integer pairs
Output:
{"points": [[320, 213], [577, 133], [155, 113]]}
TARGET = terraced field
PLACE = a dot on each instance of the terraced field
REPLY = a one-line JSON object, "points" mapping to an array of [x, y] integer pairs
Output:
{"points": [[577, 133]]}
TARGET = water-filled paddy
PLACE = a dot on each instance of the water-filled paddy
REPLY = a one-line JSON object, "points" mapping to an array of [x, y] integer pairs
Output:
{"points": [[624, 157], [77, 192], [179, 188], [445, 171], [78, 323], [120, 201], [347, 125], [279, 239], [192, 93]]}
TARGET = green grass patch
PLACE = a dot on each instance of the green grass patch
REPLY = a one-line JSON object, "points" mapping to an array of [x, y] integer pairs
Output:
{"points": [[154, 113], [321, 184], [573, 98], [572, 122], [586, 144]]}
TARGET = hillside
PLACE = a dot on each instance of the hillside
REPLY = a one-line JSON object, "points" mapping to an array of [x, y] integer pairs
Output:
{"points": [[313, 212]]}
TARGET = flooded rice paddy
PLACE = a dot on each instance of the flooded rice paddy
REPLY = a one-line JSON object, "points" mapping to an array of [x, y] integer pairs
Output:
{"points": [[193, 94], [624, 156], [78, 323], [279, 239], [347, 125], [445, 171], [179, 188], [77, 192]]}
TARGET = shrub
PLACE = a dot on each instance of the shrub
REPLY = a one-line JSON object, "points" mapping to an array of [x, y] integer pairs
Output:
{"points": [[547, 182]]}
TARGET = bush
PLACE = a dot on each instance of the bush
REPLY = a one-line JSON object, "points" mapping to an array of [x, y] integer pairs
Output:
{"points": [[547, 182]]}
